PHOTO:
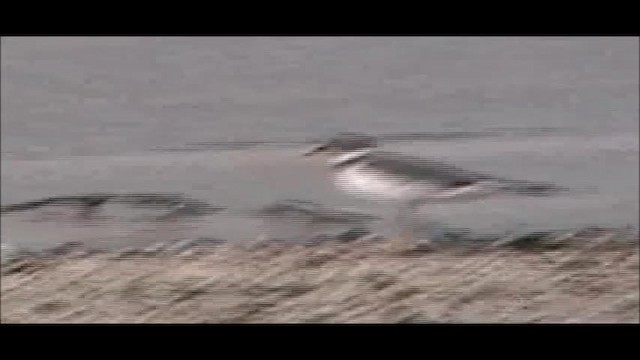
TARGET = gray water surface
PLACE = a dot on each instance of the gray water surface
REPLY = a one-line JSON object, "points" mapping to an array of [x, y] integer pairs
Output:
{"points": [[141, 114]]}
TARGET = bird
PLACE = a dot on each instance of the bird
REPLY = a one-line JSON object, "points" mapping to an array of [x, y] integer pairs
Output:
{"points": [[360, 168]]}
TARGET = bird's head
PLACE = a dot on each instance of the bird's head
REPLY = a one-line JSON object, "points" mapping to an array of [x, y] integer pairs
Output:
{"points": [[342, 144]]}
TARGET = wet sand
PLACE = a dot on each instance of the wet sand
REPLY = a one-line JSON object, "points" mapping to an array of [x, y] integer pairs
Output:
{"points": [[591, 279]]}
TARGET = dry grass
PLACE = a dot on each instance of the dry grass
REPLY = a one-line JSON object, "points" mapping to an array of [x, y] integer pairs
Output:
{"points": [[332, 283]]}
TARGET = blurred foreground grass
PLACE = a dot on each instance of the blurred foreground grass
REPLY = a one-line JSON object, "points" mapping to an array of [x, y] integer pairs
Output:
{"points": [[591, 280]]}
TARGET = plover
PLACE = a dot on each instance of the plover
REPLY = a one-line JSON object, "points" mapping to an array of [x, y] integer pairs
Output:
{"points": [[359, 168]]}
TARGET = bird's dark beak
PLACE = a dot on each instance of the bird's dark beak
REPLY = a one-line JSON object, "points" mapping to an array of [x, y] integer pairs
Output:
{"points": [[314, 150]]}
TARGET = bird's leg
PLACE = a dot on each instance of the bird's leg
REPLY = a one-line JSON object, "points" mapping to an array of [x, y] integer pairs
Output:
{"points": [[405, 240], [407, 235]]}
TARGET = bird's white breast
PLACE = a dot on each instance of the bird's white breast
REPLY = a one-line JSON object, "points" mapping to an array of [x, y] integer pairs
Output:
{"points": [[360, 180]]}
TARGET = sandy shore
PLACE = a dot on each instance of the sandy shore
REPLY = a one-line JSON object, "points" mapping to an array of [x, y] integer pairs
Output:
{"points": [[585, 281]]}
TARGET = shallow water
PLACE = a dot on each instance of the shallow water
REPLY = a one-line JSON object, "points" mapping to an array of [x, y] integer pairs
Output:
{"points": [[224, 120]]}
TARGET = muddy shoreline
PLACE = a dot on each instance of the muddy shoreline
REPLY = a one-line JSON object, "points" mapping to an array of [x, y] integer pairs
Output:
{"points": [[589, 278]]}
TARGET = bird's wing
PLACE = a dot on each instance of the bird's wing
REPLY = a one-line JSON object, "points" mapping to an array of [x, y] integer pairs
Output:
{"points": [[427, 169], [449, 175]]}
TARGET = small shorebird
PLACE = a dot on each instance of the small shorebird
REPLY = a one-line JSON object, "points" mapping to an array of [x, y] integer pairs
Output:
{"points": [[411, 182]]}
